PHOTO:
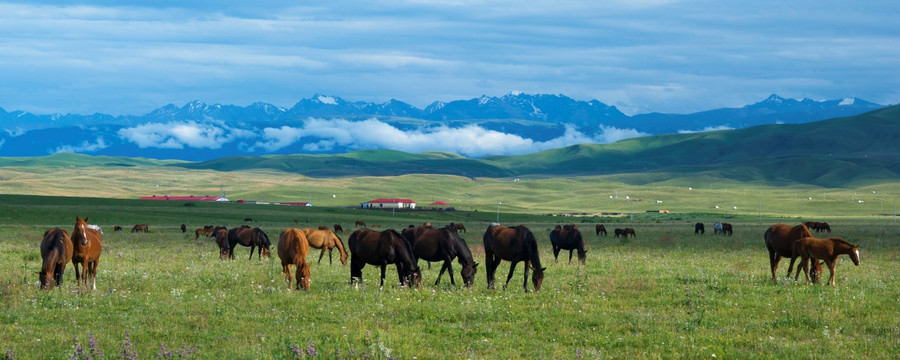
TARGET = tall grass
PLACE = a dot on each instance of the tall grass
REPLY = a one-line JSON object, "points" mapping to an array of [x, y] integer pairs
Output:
{"points": [[668, 293]]}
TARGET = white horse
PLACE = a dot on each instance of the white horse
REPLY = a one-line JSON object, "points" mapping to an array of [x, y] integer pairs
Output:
{"points": [[95, 227]]}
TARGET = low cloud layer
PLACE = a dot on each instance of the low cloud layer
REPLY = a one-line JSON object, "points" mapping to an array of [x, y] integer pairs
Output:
{"points": [[84, 147], [321, 135]]}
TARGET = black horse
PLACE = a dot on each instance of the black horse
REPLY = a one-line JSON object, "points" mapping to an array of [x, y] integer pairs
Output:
{"points": [[567, 237], [252, 237], [443, 244], [513, 244], [372, 247], [699, 229]]}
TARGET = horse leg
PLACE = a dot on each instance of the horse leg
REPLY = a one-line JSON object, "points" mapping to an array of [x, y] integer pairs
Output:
{"points": [[570, 257], [321, 254], [383, 268], [512, 267], [525, 279], [93, 272], [492, 263], [773, 263], [831, 263], [286, 271], [251, 251], [555, 254], [356, 267], [450, 270], [60, 269], [329, 256], [444, 267]]}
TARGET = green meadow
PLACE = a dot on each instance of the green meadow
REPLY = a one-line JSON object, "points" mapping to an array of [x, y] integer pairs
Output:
{"points": [[666, 294]]}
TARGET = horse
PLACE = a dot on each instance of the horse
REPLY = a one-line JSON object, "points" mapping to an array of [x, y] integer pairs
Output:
{"points": [[117, 228], [96, 227], [823, 249], [360, 223], [56, 252], [459, 227], [325, 239], [630, 231], [567, 237], [338, 229], [443, 244], [779, 239], [619, 232], [818, 226], [246, 236], [141, 227], [205, 231], [183, 228], [513, 244], [222, 241], [85, 252], [248, 219], [293, 248], [724, 228], [381, 248], [600, 229], [699, 229]]}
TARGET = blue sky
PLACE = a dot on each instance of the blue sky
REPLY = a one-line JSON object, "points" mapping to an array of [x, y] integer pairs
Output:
{"points": [[670, 56]]}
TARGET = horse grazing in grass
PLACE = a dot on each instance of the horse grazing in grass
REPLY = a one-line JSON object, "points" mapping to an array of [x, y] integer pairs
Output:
{"points": [[183, 228], [56, 251], [205, 231], [600, 229], [567, 237], [818, 226], [823, 249], [325, 239], [141, 228], [85, 252], [338, 228], [443, 244], [359, 223], [459, 227], [513, 244], [699, 228], [381, 248], [780, 240], [253, 238], [117, 228], [293, 248], [222, 241]]}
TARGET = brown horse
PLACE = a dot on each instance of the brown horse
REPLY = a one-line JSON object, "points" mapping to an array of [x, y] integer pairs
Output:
{"points": [[823, 249], [460, 227], [86, 252], [117, 228], [293, 248], [338, 228], [325, 239], [443, 244], [222, 241], [567, 237], [253, 238], [382, 248], [780, 240], [56, 251], [818, 226], [141, 227], [513, 244], [600, 229], [205, 231], [724, 228], [360, 223]]}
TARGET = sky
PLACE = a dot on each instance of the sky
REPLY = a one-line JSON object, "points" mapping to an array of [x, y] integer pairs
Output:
{"points": [[672, 56]]}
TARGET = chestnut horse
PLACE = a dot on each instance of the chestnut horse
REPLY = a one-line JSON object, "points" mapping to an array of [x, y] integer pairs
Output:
{"points": [[381, 248], [141, 227], [222, 241], [360, 223], [56, 251], [443, 244], [780, 240], [823, 249], [513, 244], [205, 231], [600, 229], [253, 238], [325, 239], [86, 252], [459, 227], [293, 248], [567, 237]]}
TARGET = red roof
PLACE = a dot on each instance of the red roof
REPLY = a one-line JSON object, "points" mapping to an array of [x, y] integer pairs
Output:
{"points": [[181, 198], [440, 203], [392, 201]]}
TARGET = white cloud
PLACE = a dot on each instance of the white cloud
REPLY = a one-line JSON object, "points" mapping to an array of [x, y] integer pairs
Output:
{"points": [[708, 128], [179, 135], [609, 134], [84, 147]]}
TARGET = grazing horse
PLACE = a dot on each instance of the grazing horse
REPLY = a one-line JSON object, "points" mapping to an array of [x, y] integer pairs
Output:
{"points": [[56, 251], [619, 232], [381, 248], [253, 238], [513, 244], [360, 223], [222, 241], [248, 219], [823, 249], [141, 227], [293, 248], [724, 228], [699, 229], [600, 229], [780, 240], [205, 231], [96, 227], [338, 229], [117, 228], [85, 252], [630, 231], [443, 244], [325, 239], [567, 237], [818, 226], [459, 227]]}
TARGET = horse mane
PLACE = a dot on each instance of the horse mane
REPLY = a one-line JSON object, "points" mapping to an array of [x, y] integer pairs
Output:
{"points": [[841, 241], [339, 243]]}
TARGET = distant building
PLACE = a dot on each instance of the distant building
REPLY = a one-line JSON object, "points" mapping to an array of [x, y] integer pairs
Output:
{"points": [[439, 204], [388, 204]]}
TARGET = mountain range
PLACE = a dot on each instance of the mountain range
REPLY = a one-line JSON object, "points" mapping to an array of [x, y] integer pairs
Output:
{"points": [[512, 124]]}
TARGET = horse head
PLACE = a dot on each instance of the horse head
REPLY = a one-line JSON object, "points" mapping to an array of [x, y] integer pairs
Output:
{"points": [[468, 274], [537, 277], [262, 240], [854, 255], [80, 230]]}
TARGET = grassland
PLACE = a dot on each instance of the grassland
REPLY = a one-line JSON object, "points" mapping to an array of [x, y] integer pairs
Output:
{"points": [[666, 294]]}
